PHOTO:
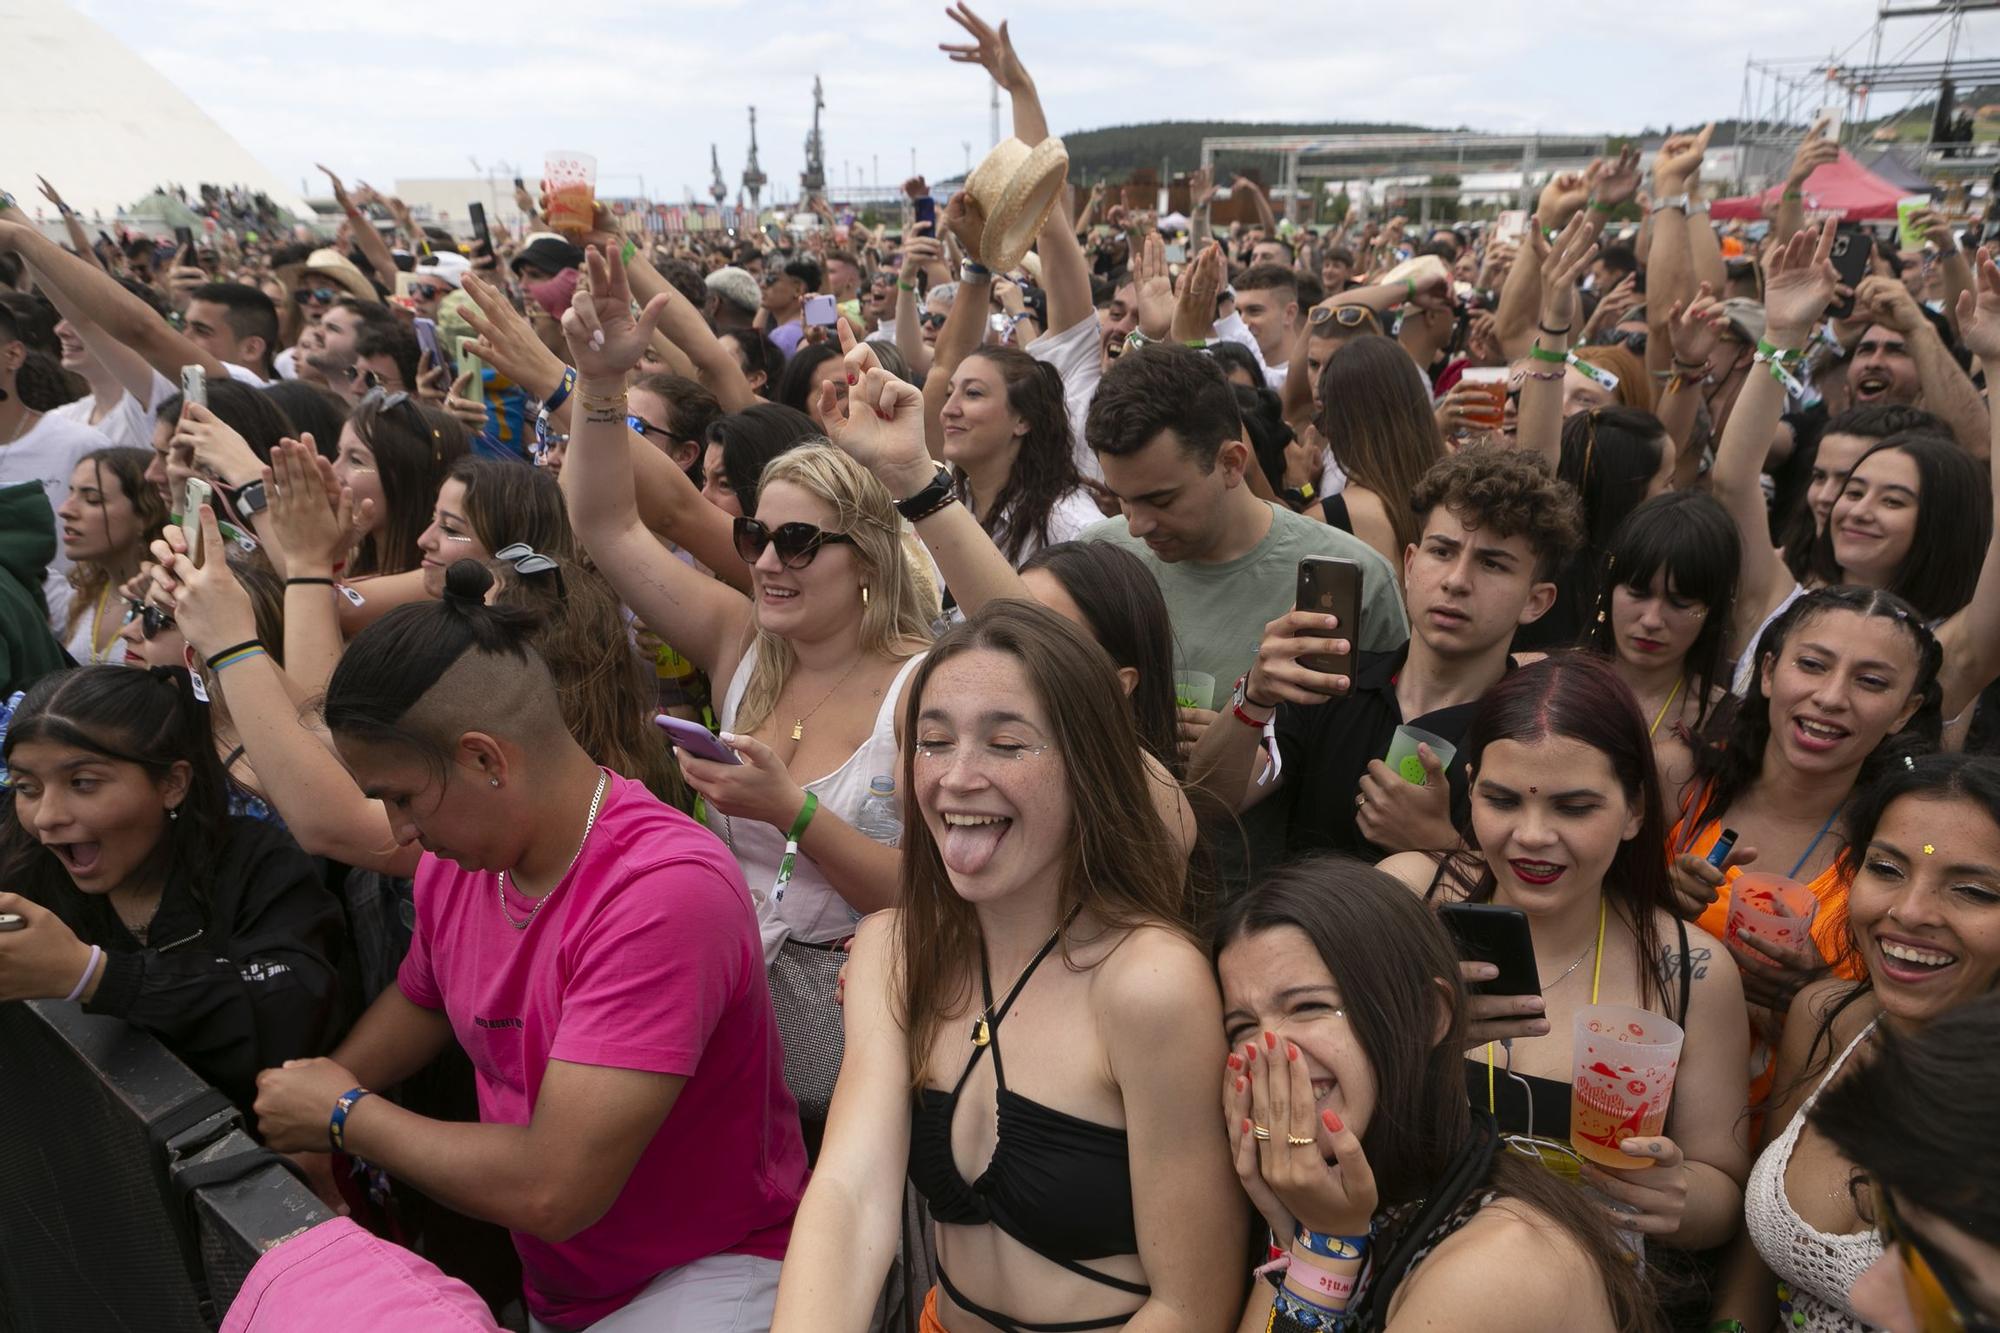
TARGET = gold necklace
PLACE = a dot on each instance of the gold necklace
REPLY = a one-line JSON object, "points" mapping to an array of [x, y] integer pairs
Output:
{"points": [[799, 724]]}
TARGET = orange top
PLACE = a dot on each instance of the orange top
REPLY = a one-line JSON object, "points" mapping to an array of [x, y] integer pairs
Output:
{"points": [[1829, 928]]}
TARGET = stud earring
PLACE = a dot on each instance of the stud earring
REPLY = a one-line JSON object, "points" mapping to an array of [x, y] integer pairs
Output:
{"points": [[492, 782], [864, 594], [174, 813]]}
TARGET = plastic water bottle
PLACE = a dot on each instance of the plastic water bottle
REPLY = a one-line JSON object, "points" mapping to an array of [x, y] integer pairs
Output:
{"points": [[881, 816]]}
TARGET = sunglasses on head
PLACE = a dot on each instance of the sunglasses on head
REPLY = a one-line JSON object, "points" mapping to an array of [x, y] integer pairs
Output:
{"points": [[151, 618], [1931, 1286], [314, 295], [1347, 316], [797, 543]]}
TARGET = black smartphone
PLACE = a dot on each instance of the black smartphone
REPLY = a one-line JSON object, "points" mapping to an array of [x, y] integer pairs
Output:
{"points": [[479, 228], [1490, 933], [1852, 249], [184, 242], [1331, 586], [927, 212]]}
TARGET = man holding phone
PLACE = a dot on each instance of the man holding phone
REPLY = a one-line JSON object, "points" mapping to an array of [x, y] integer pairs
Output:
{"points": [[1496, 527], [785, 292]]}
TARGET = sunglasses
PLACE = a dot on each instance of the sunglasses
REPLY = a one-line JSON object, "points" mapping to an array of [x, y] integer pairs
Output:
{"points": [[314, 295], [797, 543], [931, 321], [1347, 316], [1940, 1304], [373, 383], [423, 291], [151, 618], [645, 427]]}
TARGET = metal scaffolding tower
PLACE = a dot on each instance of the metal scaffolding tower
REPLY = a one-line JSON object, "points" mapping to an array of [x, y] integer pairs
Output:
{"points": [[754, 178]]}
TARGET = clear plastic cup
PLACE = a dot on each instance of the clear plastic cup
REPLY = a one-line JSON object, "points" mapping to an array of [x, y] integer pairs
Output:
{"points": [[1621, 1081], [572, 184], [1491, 381], [1907, 236], [1772, 908], [1404, 759], [1194, 689]]}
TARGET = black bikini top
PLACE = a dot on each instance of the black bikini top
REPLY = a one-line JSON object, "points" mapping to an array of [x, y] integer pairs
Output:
{"points": [[1058, 1184]]}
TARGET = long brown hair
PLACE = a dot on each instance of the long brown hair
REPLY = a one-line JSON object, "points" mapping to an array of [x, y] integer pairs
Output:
{"points": [[1395, 970], [126, 467], [1376, 418], [1120, 863]]}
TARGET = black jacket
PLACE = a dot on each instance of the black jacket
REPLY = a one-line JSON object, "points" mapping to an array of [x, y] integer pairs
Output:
{"points": [[253, 989]]}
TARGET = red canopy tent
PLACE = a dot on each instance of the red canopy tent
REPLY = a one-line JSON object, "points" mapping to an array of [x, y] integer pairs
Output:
{"points": [[1843, 186]]}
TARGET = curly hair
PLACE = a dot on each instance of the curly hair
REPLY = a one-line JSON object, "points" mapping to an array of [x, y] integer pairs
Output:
{"points": [[1044, 468], [1509, 492]]}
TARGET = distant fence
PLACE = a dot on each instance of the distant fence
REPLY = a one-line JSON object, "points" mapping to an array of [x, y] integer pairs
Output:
{"points": [[130, 1196]]}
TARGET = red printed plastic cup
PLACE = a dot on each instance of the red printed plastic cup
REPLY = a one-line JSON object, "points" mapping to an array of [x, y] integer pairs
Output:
{"points": [[1772, 908], [1625, 1060], [571, 179]]}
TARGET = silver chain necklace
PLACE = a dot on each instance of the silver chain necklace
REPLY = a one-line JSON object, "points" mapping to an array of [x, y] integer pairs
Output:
{"points": [[1571, 968], [500, 880]]}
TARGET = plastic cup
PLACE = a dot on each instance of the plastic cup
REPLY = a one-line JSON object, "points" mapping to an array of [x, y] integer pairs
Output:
{"points": [[1622, 1080], [1491, 381], [1403, 756], [572, 183], [1772, 908], [1908, 237], [1194, 689]]}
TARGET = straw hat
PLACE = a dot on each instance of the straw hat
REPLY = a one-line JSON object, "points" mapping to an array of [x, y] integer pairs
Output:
{"points": [[329, 266], [1013, 188]]}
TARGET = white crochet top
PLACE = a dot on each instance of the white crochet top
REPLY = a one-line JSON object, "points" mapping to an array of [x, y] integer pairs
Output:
{"points": [[1815, 1269]]}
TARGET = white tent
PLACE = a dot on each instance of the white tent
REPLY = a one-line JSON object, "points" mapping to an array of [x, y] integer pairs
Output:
{"points": [[106, 127]]}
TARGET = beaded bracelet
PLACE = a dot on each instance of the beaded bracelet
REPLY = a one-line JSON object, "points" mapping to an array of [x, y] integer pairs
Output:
{"points": [[1544, 375]]}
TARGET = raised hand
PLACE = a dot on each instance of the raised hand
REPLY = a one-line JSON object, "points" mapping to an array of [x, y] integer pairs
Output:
{"points": [[1979, 314], [1677, 165], [1798, 284], [1310, 1160], [1618, 181], [1886, 301], [1201, 188], [1815, 152], [1156, 291], [340, 195], [210, 606], [964, 223], [217, 450], [604, 339], [881, 425], [1194, 308], [1696, 327], [506, 341], [1563, 262], [993, 50], [312, 518], [1560, 200], [50, 193]]}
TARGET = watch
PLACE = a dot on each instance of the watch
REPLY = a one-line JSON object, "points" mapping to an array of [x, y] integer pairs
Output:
{"points": [[1679, 201], [251, 499], [933, 497], [1298, 497]]}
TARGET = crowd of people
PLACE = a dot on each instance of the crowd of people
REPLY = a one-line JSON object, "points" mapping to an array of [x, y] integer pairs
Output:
{"points": [[818, 782]]}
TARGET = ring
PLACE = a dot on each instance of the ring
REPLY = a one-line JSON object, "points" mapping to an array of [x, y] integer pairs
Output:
{"points": [[1298, 1142], [1259, 1133], [1359, 800]]}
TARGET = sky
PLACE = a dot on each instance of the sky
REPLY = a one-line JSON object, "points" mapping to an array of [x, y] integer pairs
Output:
{"points": [[380, 90]]}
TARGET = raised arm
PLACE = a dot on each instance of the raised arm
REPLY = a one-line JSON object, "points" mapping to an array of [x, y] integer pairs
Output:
{"points": [[1520, 295], [1539, 429], [705, 619], [95, 294], [1798, 284], [1670, 258], [366, 238], [72, 225], [1947, 390], [1952, 263], [963, 327], [1970, 637], [1696, 330], [1815, 151], [1259, 200], [919, 252]]}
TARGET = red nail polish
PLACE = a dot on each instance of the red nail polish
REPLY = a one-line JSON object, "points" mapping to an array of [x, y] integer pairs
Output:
{"points": [[1235, 1062], [853, 379], [1246, 1126], [1291, 1052], [1239, 1085], [1332, 1121], [1270, 1041], [1250, 1054]]}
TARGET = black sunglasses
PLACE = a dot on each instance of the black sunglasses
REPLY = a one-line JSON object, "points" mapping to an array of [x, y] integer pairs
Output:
{"points": [[931, 321], [151, 618], [423, 291], [797, 543], [645, 427], [317, 295]]}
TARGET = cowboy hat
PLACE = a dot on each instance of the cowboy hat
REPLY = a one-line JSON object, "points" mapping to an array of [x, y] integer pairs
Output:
{"points": [[330, 266], [1013, 188]]}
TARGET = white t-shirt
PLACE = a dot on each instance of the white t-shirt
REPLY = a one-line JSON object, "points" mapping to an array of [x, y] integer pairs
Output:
{"points": [[129, 424], [286, 363], [1078, 356], [1068, 517], [48, 454], [245, 375], [111, 609]]}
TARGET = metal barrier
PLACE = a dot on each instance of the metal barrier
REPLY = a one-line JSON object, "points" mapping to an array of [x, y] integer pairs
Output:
{"points": [[130, 1196]]}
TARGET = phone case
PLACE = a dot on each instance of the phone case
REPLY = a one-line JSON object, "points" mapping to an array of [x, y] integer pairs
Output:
{"points": [[1331, 586]]}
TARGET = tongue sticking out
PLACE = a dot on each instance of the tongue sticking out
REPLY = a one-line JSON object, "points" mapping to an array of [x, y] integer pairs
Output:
{"points": [[967, 848]]}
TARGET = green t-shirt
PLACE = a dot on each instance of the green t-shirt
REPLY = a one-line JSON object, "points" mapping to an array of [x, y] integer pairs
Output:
{"points": [[1219, 611]]}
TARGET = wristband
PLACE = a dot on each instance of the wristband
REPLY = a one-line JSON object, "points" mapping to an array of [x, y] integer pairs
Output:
{"points": [[314, 582], [1562, 332], [1331, 1246], [631, 248], [1544, 354], [216, 664], [562, 392], [902, 286], [972, 270], [232, 649], [336, 1124], [1319, 1282], [1727, 1326], [1409, 290], [1800, 195], [1599, 206], [84, 980], [798, 830]]}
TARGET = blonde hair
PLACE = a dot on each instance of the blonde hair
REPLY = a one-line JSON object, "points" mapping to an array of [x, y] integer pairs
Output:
{"points": [[902, 602]]}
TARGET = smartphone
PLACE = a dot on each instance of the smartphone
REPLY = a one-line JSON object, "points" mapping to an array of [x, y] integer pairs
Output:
{"points": [[194, 385], [1827, 123], [1510, 226], [927, 212], [1490, 933], [823, 311], [184, 242], [1331, 586], [1177, 254], [479, 227], [12, 921], [1723, 846], [1852, 250], [198, 493], [696, 739], [427, 339]]}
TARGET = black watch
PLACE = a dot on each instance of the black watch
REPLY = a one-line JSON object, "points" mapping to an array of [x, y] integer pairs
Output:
{"points": [[939, 493], [1298, 497], [251, 499]]}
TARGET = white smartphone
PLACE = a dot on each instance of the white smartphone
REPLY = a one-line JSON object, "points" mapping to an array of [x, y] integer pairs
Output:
{"points": [[823, 311], [198, 493], [696, 739], [1827, 123], [194, 385]]}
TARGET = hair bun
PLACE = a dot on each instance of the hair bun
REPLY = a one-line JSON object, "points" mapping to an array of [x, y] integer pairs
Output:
{"points": [[466, 584]]}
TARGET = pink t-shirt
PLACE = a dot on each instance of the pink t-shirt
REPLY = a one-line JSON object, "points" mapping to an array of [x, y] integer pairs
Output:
{"points": [[647, 956]]}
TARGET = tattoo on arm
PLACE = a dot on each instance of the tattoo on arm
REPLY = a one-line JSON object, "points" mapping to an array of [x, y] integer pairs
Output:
{"points": [[1670, 964]]}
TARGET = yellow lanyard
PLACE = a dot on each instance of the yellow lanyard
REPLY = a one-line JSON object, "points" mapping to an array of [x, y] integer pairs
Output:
{"points": [[1596, 974], [1671, 696], [98, 652]]}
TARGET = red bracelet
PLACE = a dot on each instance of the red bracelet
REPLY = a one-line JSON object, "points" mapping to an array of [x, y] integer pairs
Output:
{"points": [[1254, 723]]}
